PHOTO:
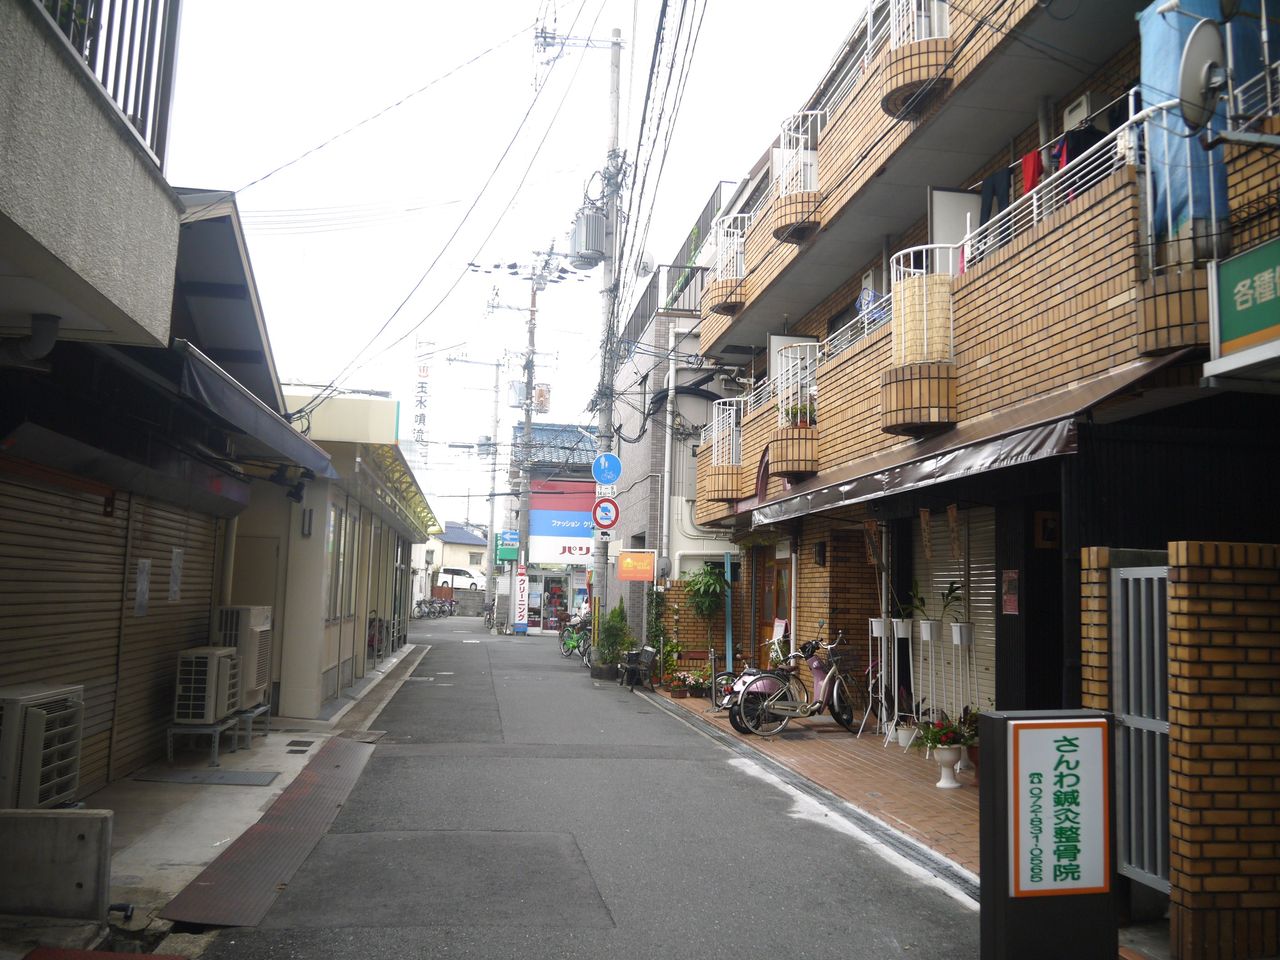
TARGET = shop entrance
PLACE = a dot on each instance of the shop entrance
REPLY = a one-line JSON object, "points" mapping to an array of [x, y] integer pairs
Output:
{"points": [[775, 596]]}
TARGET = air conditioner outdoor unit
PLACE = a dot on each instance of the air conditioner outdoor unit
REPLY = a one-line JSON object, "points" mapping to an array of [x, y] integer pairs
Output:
{"points": [[248, 629], [40, 731], [208, 687]]}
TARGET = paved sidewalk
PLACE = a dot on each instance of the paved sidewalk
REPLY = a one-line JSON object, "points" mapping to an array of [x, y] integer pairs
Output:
{"points": [[896, 788]]}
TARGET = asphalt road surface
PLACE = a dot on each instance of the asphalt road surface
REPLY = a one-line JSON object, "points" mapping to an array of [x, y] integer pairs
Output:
{"points": [[516, 808]]}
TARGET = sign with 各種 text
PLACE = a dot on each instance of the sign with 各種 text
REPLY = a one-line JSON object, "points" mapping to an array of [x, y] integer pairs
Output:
{"points": [[1248, 301], [637, 565], [1059, 807]]}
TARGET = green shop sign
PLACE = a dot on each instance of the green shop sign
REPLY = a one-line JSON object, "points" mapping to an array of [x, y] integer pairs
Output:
{"points": [[1248, 299]]}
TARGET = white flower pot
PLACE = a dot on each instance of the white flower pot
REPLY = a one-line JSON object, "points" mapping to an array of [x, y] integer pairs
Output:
{"points": [[902, 628], [962, 634], [931, 631], [877, 626], [905, 733], [947, 758]]}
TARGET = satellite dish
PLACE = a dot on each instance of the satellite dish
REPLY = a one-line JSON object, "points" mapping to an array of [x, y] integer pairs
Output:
{"points": [[645, 265], [1202, 75], [1229, 8]]}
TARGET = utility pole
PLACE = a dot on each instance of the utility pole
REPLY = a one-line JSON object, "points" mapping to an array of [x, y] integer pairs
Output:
{"points": [[491, 580], [613, 174], [526, 441]]}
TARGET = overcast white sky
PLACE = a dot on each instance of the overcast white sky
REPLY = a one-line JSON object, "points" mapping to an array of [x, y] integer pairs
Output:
{"points": [[340, 238]]}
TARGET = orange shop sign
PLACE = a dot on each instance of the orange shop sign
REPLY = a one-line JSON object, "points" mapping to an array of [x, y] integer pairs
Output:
{"points": [[637, 565]]}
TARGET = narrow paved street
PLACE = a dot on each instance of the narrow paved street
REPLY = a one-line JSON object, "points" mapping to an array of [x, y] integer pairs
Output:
{"points": [[515, 808]]}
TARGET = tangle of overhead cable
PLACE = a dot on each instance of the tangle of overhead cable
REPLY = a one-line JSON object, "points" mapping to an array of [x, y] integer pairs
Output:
{"points": [[330, 388], [360, 123], [691, 44]]}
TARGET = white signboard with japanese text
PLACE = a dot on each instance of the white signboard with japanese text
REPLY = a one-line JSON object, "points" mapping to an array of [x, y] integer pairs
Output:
{"points": [[522, 599], [1059, 807]]}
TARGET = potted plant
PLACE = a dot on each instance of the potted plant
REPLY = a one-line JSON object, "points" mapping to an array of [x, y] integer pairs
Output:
{"points": [[678, 684], [803, 414], [704, 591], [700, 682], [943, 739], [614, 640], [930, 628], [953, 600], [906, 610]]}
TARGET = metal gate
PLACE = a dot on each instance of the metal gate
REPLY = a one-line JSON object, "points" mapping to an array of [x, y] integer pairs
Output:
{"points": [[1140, 700]]}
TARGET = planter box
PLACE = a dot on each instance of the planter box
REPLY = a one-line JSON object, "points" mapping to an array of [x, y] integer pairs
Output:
{"points": [[877, 626], [931, 631], [604, 672], [902, 629], [962, 634]]}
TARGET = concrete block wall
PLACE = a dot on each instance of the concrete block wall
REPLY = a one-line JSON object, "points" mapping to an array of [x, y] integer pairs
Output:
{"points": [[1224, 749], [57, 863]]}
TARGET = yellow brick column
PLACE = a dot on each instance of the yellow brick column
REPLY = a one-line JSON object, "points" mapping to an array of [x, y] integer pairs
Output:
{"points": [[1095, 628], [1224, 750]]}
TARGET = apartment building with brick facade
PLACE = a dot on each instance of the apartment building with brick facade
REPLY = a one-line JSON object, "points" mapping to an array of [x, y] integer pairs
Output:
{"points": [[972, 287]]}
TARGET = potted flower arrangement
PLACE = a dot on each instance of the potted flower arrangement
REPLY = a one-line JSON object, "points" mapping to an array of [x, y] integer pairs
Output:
{"points": [[803, 414], [678, 684], [700, 682], [969, 726], [943, 738]]}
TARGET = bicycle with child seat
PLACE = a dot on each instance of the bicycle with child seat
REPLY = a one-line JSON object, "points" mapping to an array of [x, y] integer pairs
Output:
{"points": [[766, 706], [726, 686]]}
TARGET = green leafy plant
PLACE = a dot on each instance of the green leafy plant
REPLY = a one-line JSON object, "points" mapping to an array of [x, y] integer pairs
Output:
{"points": [[802, 414], [657, 634], [913, 605], [615, 636], [704, 592], [952, 600]]}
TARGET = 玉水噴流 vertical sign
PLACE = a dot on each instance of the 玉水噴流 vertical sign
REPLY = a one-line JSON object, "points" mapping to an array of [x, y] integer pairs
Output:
{"points": [[1059, 806]]}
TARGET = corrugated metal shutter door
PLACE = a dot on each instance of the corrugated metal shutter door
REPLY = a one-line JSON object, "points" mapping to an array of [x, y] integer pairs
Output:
{"points": [[150, 645], [61, 576], [938, 683]]}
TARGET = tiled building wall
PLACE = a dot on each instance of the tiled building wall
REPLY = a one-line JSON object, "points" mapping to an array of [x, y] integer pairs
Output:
{"points": [[1224, 749], [1054, 305], [1253, 191]]}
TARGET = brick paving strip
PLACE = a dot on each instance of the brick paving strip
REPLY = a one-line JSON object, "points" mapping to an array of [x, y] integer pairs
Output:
{"points": [[890, 788]]}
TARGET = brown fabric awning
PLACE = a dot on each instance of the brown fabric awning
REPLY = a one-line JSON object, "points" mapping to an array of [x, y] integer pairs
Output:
{"points": [[1040, 428]]}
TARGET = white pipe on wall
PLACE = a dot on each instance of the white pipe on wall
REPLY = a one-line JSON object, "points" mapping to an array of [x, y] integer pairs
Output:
{"points": [[667, 444]]}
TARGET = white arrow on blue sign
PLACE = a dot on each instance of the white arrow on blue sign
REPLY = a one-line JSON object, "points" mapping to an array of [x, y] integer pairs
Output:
{"points": [[606, 468]]}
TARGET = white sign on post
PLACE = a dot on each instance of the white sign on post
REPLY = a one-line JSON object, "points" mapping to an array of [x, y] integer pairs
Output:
{"points": [[1059, 806]]}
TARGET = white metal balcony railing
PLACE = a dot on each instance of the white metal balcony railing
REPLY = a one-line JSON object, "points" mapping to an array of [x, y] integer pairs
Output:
{"points": [[798, 153], [798, 385], [911, 21], [1179, 167], [923, 319], [761, 394], [1256, 98], [726, 432], [731, 256], [874, 310], [865, 42]]}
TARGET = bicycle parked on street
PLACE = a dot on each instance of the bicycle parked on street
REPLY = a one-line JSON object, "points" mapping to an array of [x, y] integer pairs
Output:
{"points": [[377, 636], [575, 637], [726, 686], [489, 613], [767, 705]]}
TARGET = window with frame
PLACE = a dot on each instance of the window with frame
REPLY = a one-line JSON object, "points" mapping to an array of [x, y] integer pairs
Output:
{"points": [[353, 562], [475, 558]]}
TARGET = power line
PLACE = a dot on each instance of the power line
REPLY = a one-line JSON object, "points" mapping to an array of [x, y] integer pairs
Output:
{"points": [[325, 394]]}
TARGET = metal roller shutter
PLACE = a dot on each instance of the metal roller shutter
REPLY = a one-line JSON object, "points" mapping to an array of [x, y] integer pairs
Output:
{"points": [[150, 642], [938, 679], [61, 577]]}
